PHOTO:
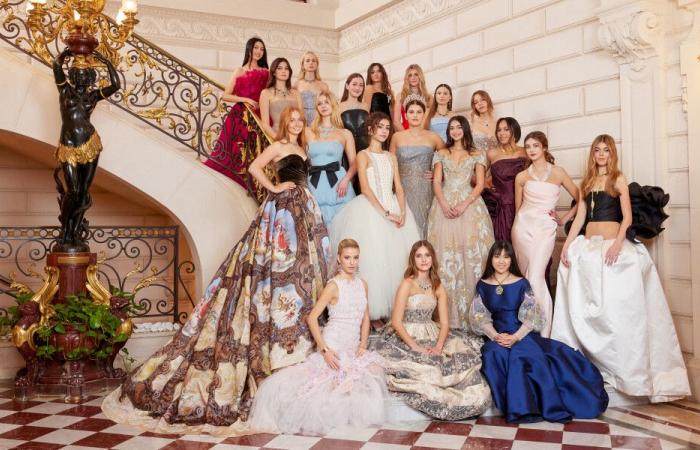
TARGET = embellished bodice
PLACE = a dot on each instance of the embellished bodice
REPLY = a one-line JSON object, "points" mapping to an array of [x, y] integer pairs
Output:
{"points": [[414, 160], [419, 308], [380, 103], [308, 100], [354, 120], [292, 168], [483, 141], [457, 176], [342, 332], [503, 174], [251, 83], [380, 176]]}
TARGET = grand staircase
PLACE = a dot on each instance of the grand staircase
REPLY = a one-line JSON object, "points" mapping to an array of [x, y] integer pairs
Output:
{"points": [[156, 130]]}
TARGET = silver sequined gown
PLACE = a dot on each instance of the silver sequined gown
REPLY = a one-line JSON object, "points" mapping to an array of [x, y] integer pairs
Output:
{"points": [[414, 162]]}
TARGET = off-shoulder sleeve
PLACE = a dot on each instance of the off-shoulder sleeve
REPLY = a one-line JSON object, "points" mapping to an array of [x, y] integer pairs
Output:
{"points": [[481, 159], [480, 318], [437, 158], [530, 314]]}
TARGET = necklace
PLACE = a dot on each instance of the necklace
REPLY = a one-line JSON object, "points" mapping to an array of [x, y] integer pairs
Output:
{"points": [[499, 288], [324, 132], [283, 92], [531, 172], [424, 284], [438, 113]]}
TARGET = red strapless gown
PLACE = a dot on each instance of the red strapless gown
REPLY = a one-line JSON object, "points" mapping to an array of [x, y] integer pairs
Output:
{"points": [[237, 144]]}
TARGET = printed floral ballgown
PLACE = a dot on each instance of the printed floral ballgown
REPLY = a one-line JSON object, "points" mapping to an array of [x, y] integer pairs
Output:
{"points": [[241, 139], [313, 398], [250, 322]]}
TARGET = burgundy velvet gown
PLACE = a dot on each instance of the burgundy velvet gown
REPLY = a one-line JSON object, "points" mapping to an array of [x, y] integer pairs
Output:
{"points": [[500, 200]]}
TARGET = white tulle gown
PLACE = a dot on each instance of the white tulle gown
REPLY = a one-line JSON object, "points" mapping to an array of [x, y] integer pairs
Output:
{"points": [[385, 247], [312, 398]]}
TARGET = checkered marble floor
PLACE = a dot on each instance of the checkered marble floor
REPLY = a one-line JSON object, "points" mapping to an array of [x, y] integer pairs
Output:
{"points": [[48, 423]]}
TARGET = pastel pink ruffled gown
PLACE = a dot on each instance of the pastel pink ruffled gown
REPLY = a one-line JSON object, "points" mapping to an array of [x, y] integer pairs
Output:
{"points": [[533, 235]]}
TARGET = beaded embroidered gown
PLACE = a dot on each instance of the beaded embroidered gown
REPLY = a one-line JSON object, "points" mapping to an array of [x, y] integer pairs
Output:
{"points": [[448, 386], [386, 245], [313, 398], [461, 244], [250, 321], [414, 162]]}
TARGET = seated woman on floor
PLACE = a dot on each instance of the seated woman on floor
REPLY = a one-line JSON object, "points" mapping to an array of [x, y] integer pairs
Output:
{"points": [[342, 384], [431, 367], [532, 378]]}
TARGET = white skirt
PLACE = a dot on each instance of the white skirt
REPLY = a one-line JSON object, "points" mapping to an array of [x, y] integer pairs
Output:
{"points": [[618, 317], [384, 249]]}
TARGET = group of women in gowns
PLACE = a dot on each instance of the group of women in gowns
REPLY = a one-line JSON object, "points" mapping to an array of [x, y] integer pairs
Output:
{"points": [[252, 319]]}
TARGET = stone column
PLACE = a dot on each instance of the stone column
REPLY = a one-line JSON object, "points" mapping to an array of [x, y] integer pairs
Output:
{"points": [[690, 74]]}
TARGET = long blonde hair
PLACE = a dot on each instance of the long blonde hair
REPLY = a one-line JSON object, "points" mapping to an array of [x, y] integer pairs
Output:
{"points": [[422, 87], [592, 167], [317, 72], [336, 121]]}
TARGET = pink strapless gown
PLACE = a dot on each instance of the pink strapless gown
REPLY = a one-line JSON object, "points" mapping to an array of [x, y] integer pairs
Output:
{"points": [[533, 236]]}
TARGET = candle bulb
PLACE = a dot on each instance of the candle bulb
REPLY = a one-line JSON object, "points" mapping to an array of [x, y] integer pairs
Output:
{"points": [[121, 16], [30, 7], [76, 15], [129, 6]]}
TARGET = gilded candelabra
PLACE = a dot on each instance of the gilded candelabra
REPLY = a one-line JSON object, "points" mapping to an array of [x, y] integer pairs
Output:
{"points": [[82, 26]]}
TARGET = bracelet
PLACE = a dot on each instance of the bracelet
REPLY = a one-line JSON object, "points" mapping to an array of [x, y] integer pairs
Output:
{"points": [[324, 350], [386, 213]]}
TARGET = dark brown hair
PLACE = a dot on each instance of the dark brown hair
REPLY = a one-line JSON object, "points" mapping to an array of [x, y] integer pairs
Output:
{"points": [[542, 139], [351, 77], [273, 68], [372, 123], [467, 139], [386, 87]]}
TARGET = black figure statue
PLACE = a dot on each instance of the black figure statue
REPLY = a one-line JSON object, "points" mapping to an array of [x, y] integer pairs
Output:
{"points": [[79, 147]]}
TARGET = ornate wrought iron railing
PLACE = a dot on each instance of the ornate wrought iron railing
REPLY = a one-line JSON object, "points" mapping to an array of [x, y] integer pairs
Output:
{"points": [[154, 250], [157, 88]]}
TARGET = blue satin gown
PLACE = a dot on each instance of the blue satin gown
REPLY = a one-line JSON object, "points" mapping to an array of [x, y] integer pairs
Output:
{"points": [[537, 378]]}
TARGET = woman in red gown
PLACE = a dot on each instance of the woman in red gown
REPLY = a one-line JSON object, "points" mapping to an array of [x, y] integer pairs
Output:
{"points": [[241, 138]]}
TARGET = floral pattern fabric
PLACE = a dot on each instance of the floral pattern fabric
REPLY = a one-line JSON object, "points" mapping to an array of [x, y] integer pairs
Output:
{"points": [[250, 322], [461, 244]]}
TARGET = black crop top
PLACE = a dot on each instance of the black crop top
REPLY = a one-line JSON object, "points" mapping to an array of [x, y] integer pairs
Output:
{"points": [[602, 207]]}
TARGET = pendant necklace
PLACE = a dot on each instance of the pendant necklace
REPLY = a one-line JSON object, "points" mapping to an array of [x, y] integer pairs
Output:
{"points": [[499, 288], [283, 92], [425, 285], [593, 192]]}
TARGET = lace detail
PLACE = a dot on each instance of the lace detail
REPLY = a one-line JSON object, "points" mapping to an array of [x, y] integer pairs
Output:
{"points": [[530, 313], [479, 316], [381, 180], [417, 315]]}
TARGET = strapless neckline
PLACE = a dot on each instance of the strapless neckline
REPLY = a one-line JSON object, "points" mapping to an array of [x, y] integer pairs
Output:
{"points": [[290, 155]]}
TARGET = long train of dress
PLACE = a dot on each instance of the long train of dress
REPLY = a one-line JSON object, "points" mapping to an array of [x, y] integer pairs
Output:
{"points": [[250, 322]]}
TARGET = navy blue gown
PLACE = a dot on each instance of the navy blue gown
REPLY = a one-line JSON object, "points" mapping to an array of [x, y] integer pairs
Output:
{"points": [[537, 378]]}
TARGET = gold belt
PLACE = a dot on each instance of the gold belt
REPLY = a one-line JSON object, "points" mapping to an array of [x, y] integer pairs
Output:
{"points": [[82, 154]]}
